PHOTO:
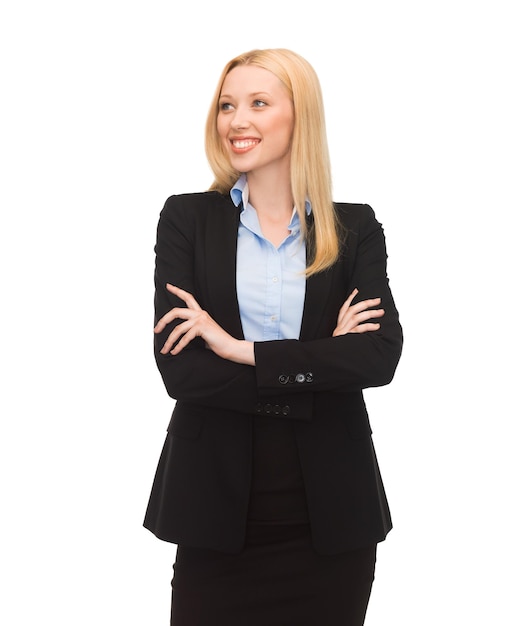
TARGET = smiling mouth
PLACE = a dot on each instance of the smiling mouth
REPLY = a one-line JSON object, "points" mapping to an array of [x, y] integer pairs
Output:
{"points": [[243, 145]]}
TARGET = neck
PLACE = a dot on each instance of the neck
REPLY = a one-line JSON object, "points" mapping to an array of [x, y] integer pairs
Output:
{"points": [[270, 194]]}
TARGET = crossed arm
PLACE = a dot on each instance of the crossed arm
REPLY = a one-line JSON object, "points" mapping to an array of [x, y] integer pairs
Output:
{"points": [[198, 323], [361, 350]]}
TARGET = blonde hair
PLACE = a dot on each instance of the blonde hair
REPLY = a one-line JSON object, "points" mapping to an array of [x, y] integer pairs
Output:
{"points": [[310, 162]]}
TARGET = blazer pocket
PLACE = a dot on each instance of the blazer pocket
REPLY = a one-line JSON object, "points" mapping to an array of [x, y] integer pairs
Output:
{"points": [[186, 421], [348, 410]]}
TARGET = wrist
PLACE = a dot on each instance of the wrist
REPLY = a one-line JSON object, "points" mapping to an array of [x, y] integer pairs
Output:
{"points": [[242, 352]]}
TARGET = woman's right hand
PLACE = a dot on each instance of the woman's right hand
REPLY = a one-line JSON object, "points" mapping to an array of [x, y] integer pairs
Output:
{"points": [[353, 319], [198, 323]]}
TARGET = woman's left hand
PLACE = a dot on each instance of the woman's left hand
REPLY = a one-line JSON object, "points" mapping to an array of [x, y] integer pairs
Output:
{"points": [[356, 318], [198, 323]]}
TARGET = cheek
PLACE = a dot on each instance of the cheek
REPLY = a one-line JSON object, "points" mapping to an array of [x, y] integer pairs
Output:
{"points": [[284, 125], [286, 129]]}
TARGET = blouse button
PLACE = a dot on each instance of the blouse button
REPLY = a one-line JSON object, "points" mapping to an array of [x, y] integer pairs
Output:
{"points": [[300, 378]]}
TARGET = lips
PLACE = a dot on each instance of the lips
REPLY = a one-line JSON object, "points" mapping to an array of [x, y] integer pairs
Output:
{"points": [[241, 145]]}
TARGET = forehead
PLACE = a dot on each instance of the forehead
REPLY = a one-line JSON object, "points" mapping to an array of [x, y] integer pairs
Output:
{"points": [[251, 79]]}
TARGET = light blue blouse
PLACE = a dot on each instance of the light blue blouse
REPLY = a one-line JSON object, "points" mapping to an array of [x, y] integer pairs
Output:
{"points": [[270, 281]]}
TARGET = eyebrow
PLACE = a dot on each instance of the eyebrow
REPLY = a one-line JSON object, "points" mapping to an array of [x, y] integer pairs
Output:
{"points": [[252, 95]]}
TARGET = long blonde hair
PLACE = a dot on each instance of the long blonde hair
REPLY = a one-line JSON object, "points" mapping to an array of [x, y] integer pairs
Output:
{"points": [[310, 161]]}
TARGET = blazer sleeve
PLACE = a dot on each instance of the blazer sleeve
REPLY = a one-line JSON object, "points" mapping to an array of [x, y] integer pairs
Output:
{"points": [[196, 375], [348, 362]]}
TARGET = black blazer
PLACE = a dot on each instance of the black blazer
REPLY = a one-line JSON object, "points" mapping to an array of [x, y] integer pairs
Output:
{"points": [[201, 487]]}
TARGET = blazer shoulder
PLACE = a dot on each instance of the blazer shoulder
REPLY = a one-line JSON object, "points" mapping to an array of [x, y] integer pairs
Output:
{"points": [[190, 203], [355, 216]]}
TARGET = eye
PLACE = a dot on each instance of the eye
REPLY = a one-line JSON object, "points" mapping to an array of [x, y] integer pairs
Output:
{"points": [[259, 104], [225, 106]]}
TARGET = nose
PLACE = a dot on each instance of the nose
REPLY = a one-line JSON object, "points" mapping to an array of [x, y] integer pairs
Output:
{"points": [[239, 119]]}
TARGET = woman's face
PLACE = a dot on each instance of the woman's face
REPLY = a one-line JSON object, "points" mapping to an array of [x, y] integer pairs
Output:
{"points": [[255, 120]]}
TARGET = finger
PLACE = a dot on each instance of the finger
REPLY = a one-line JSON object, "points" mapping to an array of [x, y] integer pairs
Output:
{"points": [[360, 328], [185, 296], [346, 305], [353, 319], [367, 315], [181, 334], [192, 333], [171, 316], [365, 304], [175, 336], [350, 322], [350, 309], [366, 328]]}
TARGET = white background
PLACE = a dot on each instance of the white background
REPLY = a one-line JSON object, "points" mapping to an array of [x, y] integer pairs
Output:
{"points": [[103, 110]]}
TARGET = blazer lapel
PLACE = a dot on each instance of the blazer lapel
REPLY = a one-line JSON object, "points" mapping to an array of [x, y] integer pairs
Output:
{"points": [[315, 302], [221, 240], [317, 293]]}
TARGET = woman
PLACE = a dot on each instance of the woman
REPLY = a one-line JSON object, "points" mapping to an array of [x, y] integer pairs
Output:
{"points": [[273, 313]]}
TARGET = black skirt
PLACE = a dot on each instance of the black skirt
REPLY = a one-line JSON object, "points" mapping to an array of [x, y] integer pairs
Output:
{"points": [[278, 579]]}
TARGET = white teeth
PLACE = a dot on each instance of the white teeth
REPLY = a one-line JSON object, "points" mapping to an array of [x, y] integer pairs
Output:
{"points": [[244, 144]]}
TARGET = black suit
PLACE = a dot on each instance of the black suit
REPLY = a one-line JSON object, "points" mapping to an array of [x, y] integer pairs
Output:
{"points": [[201, 488]]}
